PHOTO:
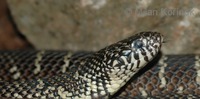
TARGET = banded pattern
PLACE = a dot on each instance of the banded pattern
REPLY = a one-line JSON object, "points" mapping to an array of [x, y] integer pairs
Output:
{"points": [[174, 76], [96, 75], [32, 64]]}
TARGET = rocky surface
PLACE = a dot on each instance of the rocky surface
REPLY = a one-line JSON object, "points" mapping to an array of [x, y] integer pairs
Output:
{"points": [[9, 38], [93, 24]]}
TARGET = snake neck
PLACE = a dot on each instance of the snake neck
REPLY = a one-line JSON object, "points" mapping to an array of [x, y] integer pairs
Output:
{"points": [[100, 78], [95, 74]]}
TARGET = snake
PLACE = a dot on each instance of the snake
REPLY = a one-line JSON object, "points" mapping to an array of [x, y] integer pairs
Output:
{"points": [[165, 77], [102, 74]]}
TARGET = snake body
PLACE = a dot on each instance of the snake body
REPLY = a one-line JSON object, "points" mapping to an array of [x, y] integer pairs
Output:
{"points": [[172, 77], [58, 74]]}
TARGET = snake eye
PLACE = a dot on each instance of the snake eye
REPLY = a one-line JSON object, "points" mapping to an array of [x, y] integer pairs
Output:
{"points": [[138, 44]]}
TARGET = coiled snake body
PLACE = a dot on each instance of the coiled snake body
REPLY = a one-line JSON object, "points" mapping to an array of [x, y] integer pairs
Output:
{"points": [[59, 74], [169, 77]]}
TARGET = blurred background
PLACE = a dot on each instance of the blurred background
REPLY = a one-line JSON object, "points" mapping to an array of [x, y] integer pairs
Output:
{"points": [[93, 24]]}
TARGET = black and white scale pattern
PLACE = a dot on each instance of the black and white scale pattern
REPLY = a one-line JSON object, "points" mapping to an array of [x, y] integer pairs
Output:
{"points": [[60, 74], [172, 77]]}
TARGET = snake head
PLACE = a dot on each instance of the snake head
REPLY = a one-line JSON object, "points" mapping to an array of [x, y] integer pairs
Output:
{"points": [[107, 70], [127, 57], [141, 47]]}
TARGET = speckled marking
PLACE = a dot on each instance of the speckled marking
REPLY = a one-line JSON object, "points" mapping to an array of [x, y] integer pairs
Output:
{"points": [[62, 93], [143, 92], [13, 69], [180, 89], [66, 60], [16, 75], [162, 71], [37, 62], [197, 67]]}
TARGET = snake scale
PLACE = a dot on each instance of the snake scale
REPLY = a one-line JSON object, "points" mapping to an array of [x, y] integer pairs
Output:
{"points": [[61, 74]]}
